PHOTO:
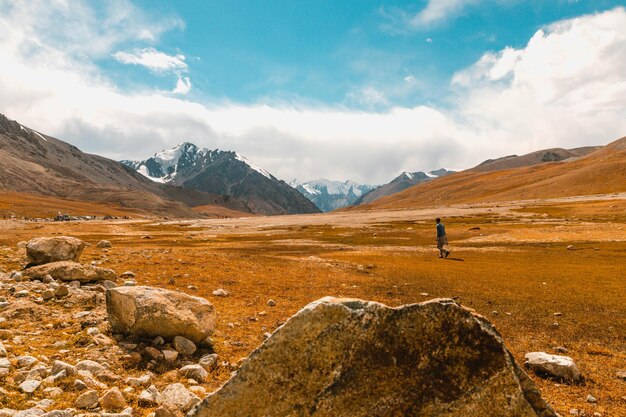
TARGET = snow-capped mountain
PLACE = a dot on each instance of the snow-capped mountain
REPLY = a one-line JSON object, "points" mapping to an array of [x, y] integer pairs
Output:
{"points": [[401, 182], [330, 195], [223, 173]]}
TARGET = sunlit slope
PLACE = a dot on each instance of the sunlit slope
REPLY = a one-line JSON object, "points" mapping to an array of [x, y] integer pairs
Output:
{"points": [[600, 172]]}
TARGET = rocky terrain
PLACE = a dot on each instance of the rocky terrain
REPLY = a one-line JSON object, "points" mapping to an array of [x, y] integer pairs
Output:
{"points": [[116, 322]]}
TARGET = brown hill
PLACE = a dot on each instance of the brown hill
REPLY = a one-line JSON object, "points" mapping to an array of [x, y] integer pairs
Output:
{"points": [[39, 164], [534, 158], [600, 172]]}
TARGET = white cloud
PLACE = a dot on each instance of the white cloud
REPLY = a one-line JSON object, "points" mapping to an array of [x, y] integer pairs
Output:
{"points": [[152, 59], [437, 11], [183, 86], [565, 88]]}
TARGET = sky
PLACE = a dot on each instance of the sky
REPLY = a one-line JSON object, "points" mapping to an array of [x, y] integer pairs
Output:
{"points": [[307, 89]]}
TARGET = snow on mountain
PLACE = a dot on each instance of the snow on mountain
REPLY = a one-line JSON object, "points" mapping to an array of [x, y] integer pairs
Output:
{"points": [[330, 195], [401, 182]]}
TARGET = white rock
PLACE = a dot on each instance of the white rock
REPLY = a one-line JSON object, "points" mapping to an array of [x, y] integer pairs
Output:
{"points": [[151, 312], [209, 362], [220, 292], [196, 372], [52, 249], [29, 386], [179, 396], [87, 400], [557, 366]]}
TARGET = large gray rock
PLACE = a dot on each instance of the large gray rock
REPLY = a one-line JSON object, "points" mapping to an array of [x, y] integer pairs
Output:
{"points": [[69, 271], [151, 312], [556, 366], [43, 250], [339, 357]]}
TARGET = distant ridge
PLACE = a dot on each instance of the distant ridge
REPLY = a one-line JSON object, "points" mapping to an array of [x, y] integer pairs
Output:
{"points": [[401, 182]]}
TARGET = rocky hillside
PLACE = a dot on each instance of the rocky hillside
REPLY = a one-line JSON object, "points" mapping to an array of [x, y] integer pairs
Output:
{"points": [[223, 173], [330, 195], [31, 162], [401, 182]]}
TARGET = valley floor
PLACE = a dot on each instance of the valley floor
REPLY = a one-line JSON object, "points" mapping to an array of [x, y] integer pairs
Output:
{"points": [[509, 262]]}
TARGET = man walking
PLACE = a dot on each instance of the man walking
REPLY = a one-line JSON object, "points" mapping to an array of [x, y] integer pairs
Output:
{"points": [[442, 240]]}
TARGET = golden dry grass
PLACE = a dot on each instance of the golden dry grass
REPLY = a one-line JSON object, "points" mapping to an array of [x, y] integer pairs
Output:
{"points": [[510, 260]]}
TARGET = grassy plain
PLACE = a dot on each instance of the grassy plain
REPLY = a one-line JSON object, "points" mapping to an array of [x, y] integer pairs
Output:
{"points": [[509, 262]]}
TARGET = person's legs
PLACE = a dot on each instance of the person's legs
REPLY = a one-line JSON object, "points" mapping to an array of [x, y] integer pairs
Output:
{"points": [[440, 247]]}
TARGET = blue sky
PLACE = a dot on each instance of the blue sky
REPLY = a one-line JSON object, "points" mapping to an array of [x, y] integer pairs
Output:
{"points": [[324, 51], [351, 89]]}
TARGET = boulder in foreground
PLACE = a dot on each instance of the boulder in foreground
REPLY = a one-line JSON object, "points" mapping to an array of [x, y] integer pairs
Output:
{"points": [[339, 357], [150, 312], [43, 250], [70, 271]]}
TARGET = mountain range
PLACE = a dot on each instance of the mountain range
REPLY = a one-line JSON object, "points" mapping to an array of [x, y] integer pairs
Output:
{"points": [[543, 174], [223, 173], [330, 195]]}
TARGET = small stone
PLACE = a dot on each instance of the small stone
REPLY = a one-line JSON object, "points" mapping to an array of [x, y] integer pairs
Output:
{"points": [[571, 247], [92, 331], [184, 345], [158, 341], [79, 385], [58, 366], [169, 355], [113, 400], [108, 284], [168, 410], [209, 362], [192, 287], [128, 274], [21, 294], [26, 361], [591, 399], [220, 292], [494, 313], [3, 351], [62, 291], [621, 374], [143, 381], [153, 353], [29, 386], [179, 396], [196, 372], [557, 314], [47, 295], [53, 392], [148, 397], [87, 400], [560, 349], [130, 283], [104, 244], [92, 366], [271, 302], [47, 279]]}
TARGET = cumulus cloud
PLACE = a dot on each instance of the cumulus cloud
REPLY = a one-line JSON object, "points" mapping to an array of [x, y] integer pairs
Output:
{"points": [[152, 59], [564, 88]]}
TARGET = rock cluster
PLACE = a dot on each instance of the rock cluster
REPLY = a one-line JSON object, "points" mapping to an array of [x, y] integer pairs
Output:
{"points": [[345, 357]]}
